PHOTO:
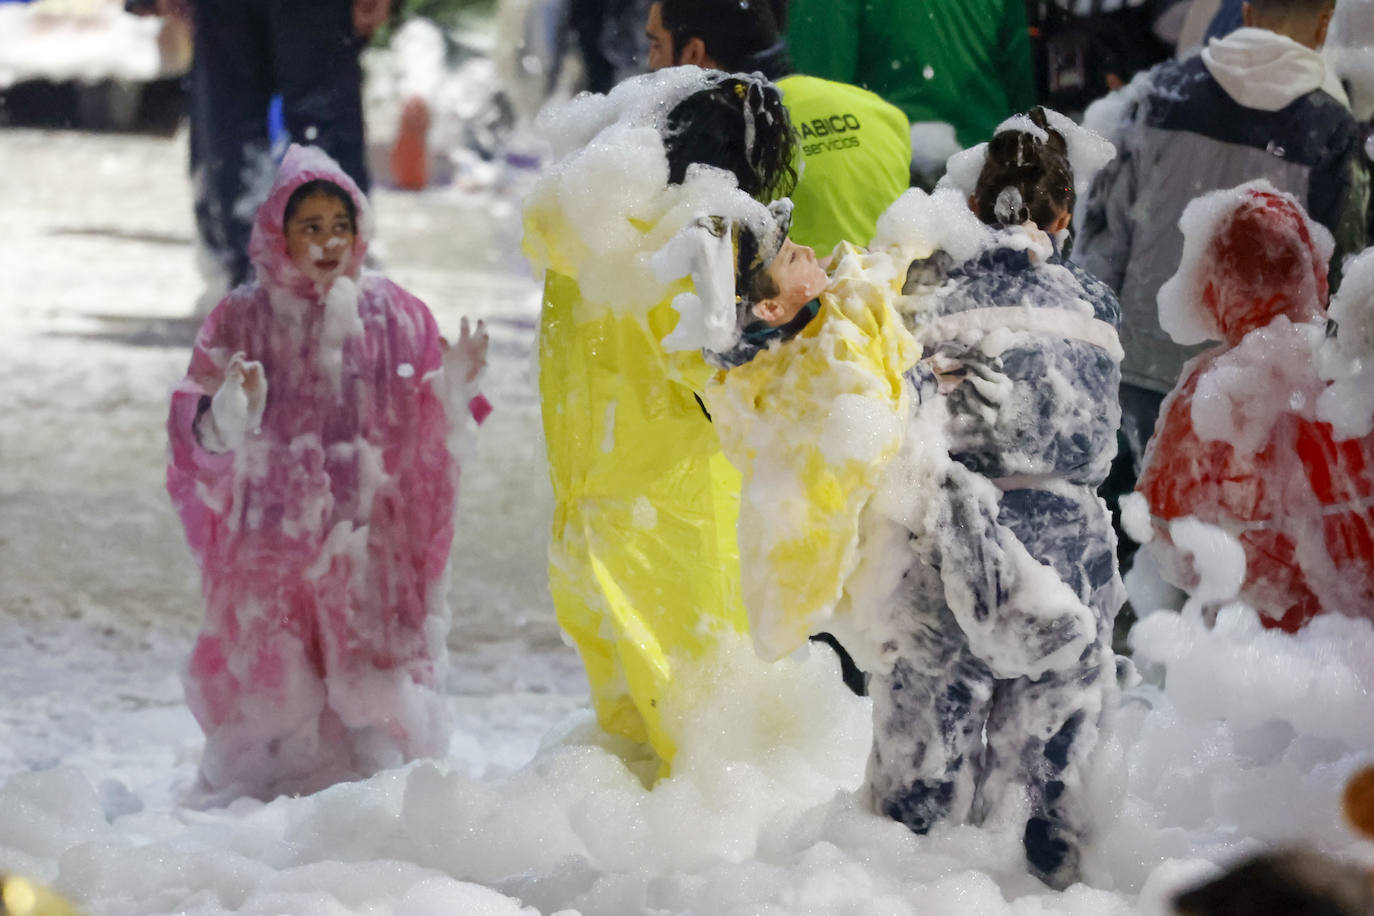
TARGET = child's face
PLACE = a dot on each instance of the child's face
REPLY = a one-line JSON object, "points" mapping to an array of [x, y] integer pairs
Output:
{"points": [[799, 279], [320, 237]]}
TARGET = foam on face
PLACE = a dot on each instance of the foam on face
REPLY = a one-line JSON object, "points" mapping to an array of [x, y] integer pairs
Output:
{"points": [[341, 323]]}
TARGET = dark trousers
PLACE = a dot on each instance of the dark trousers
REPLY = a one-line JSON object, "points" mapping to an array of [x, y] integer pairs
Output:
{"points": [[1139, 411], [955, 742], [246, 51]]}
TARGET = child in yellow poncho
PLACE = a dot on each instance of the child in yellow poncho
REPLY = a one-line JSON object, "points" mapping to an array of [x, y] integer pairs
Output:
{"points": [[812, 409]]}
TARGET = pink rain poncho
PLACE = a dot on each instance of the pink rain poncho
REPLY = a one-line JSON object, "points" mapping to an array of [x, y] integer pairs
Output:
{"points": [[323, 540], [1238, 444]]}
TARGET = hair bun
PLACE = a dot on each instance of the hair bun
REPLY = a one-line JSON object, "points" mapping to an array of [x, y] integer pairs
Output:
{"points": [[1026, 176]]}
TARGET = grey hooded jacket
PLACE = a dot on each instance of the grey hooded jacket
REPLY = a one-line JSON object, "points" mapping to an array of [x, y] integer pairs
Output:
{"points": [[1253, 105]]}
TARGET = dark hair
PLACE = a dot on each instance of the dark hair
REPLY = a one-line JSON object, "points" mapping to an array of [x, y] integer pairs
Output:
{"points": [[1295, 882], [739, 124], [320, 186], [753, 256], [1036, 170], [758, 283], [740, 35]]}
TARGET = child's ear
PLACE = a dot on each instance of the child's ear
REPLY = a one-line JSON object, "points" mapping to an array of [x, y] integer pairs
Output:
{"points": [[768, 310]]}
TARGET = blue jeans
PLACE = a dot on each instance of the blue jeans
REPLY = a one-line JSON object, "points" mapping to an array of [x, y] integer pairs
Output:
{"points": [[246, 51]]}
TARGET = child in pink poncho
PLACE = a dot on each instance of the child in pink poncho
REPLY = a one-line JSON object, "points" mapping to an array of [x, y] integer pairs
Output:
{"points": [[313, 465]]}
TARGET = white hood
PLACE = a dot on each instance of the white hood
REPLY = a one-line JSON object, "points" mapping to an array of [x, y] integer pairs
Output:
{"points": [[1264, 70]]}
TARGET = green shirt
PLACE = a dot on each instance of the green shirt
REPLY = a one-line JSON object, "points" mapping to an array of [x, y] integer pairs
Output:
{"points": [[856, 151], [965, 62]]}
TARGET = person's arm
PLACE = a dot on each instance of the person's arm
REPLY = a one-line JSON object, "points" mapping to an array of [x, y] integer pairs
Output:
{"points": [[823, 38], [1105, 225], [200, 480], [1037, 409], [465, 360], [1020, 618], [1338, 193], [427, 435], [224, 419]]}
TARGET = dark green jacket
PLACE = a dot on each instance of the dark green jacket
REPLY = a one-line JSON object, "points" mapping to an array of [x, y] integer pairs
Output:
{"points": [[965, 62]]}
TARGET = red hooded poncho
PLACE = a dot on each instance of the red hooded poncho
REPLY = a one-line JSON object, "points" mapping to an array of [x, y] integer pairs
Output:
{"points": [[323, 541], [1237, 444]]}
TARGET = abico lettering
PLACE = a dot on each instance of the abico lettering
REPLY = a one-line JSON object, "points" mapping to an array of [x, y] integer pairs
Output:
{"points": [[824, 127]]}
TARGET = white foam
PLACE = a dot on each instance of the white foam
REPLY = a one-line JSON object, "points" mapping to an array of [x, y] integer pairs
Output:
{"points": [[1217, 557], [1347, 360]]}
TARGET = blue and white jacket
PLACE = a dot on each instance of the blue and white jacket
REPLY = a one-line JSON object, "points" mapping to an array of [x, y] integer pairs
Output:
{"points": [[1035, 352]]}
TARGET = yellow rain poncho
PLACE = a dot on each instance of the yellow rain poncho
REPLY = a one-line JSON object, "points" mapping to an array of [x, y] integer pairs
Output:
{"points": [[813, 423], [643, 567]]}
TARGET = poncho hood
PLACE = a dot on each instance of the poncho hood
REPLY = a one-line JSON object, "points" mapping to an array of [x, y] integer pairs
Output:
{"points": [[267, 247], [1264, 263]]}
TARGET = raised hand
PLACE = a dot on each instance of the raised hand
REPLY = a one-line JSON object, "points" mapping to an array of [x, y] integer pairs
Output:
{"points": [[464, 362], [468, 357], [237, 407]]}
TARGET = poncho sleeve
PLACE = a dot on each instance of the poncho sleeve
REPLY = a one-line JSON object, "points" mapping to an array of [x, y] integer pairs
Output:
{"points": [[200, 481]]}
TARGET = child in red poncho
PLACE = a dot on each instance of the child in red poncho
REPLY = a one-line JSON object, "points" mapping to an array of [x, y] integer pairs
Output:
{"points": [[1240, 444]]}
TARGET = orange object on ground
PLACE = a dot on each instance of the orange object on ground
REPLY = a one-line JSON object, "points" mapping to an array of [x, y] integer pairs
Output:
{"points": [[410, 154], [1358, 801]]}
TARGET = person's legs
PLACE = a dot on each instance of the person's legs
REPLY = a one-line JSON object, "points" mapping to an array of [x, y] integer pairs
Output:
{"points": [[255, 685], [230, 91], [1041, 733], [315, 64], [1040, 736], [1139, 411], [929, 706]]}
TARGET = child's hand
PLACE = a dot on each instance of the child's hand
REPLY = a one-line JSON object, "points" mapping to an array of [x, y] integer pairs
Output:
{"points": [[948, 370], [1042, 245], [237, 407], [464, 363], [465, 360]]}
